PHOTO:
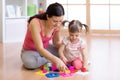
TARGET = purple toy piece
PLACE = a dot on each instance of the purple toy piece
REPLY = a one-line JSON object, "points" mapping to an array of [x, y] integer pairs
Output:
{"points": [[71, 67]]}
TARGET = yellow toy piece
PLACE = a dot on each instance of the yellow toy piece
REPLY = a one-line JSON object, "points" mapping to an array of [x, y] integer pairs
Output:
{"points": [[67, 71], [40, 73]]}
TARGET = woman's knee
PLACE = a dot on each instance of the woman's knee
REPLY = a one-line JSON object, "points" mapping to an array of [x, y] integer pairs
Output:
{"points": [[30, 62], [32, 59]]}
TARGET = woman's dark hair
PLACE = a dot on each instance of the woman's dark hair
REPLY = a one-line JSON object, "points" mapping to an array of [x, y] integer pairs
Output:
{"points": [[76, 26], [54, 9]]}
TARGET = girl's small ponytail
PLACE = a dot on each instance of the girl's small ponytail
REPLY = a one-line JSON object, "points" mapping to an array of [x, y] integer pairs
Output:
{"points": [[65, 21], [86, 27]]}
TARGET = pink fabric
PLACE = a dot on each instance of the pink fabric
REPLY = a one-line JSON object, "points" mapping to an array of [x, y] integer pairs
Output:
{"points": [[28, 42], [77, 63]]}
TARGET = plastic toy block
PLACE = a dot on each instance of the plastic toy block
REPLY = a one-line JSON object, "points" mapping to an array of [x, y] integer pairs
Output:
{"points": [[52, 75], [71, 67], [54, 68], [41, 73], [68, 65], [50, 68], [46, 67], [67, 71], [66, 74], [49, 64], [42, 67], [44, 71], [83, 69], [74, 71]]}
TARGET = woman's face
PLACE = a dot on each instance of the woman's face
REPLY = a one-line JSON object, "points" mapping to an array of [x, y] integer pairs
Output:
{"points": [[55, 21]]}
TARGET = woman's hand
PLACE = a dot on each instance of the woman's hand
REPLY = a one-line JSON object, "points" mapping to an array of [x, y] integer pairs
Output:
{"points": [[64, 59], [61, 65]]}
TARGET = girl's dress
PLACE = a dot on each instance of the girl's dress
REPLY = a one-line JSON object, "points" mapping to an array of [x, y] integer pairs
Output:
{"points": [[72, 50]]}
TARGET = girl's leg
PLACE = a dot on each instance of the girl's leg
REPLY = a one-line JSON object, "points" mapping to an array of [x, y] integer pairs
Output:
{"points": [[32, 59], [77, 63]]}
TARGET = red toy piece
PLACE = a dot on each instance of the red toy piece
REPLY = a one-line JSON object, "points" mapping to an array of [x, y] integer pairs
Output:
{"points": [[42, 67], [83, 69]]}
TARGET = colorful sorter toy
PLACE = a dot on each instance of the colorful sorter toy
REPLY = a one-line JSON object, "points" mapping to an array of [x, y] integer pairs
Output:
{"points": [[49, 70]]}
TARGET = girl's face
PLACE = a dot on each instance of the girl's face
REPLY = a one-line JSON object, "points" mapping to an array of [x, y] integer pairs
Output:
{"points": [[74, 36], [55, 21]]}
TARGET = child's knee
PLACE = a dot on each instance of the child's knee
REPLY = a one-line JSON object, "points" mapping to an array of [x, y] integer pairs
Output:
{"points": [[77, 64]]}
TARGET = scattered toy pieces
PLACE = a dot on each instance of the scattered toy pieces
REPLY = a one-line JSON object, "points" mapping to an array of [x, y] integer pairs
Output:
{"points": [[50, 71]]}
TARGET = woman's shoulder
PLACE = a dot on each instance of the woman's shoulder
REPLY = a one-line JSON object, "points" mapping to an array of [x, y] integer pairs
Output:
{"points": [[37, 21], [36, 24]]}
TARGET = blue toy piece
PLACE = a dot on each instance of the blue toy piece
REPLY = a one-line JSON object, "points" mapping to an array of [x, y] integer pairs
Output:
{"points": [[52, 75]]}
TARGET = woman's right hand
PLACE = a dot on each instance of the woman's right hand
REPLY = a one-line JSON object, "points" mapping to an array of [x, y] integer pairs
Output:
{"points": [[64, 59], [61, 65]]}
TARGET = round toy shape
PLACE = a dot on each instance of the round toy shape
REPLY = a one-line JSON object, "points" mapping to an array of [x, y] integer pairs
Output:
{"points": [[52, 75]]}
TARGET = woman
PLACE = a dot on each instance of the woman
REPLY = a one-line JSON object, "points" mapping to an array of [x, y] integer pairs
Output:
{"points": [[41, 29]]}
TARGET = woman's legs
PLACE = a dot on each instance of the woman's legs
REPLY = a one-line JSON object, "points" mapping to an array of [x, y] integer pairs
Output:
{"points": [[32, 59]]}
